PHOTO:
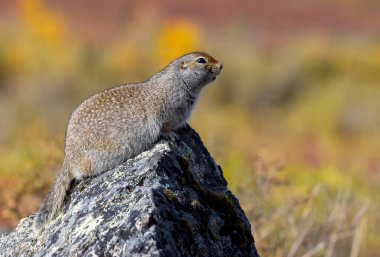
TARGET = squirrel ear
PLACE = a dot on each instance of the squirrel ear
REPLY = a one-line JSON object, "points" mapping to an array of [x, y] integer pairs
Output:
{"points": [[182, 66]]}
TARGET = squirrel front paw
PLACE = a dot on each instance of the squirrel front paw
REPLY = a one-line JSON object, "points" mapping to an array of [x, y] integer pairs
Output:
{"points": [[170, 136]]}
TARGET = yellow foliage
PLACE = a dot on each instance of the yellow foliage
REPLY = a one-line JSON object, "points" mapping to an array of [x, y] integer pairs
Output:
{"points": [[37, 44], [16, 56], [121, 57], [43, 23], [177, 38], [372, 57]]}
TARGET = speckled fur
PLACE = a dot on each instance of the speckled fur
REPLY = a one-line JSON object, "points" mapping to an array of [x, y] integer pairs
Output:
{"points": [[119, 123]]}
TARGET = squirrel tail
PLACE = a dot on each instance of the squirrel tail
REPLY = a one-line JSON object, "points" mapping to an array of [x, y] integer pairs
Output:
{"points": [[55, 198]]}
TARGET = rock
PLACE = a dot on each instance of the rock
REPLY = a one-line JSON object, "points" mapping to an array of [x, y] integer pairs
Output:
{"points": [[169, 201]]}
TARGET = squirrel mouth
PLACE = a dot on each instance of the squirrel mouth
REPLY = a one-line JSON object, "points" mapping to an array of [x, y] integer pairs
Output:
{"points": [[214, 73]]}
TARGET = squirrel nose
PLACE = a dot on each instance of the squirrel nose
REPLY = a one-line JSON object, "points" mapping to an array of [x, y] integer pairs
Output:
{"points": [[217, 68]]}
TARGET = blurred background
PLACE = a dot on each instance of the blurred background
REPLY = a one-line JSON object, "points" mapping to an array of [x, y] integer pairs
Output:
{"points": [[293, 120]]}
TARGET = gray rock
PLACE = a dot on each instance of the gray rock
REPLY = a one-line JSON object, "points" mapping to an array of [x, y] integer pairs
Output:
{"points": [[169, 201]]}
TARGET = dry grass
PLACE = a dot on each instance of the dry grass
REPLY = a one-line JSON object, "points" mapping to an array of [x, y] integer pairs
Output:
{"points": [[319, 222]]}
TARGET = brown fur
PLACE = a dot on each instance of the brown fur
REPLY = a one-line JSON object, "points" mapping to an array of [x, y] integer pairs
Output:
{"points": [[120, 123]]}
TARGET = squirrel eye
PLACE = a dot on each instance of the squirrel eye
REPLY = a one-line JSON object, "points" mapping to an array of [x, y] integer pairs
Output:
{"points": [[201, 60]]}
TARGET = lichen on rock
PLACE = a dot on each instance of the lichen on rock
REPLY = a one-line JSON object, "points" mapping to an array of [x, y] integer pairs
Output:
{"points": [[171, 200]]}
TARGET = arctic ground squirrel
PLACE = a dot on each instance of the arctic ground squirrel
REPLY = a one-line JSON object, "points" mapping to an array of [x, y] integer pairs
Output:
{"points": [[121, 122]]}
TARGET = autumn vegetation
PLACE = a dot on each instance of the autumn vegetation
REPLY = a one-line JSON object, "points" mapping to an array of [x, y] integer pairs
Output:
{"points": [[295, 127]]}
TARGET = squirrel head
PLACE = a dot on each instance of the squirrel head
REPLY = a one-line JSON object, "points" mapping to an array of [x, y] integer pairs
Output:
{"points": [[197, 69]]}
